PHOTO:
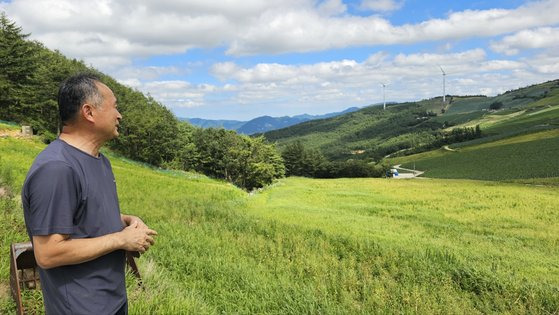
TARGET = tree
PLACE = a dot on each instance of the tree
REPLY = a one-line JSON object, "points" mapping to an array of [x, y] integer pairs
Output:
{"points": [[247, 162], [294, 159], [186, 157], [264, 164], [18, 63], [496, 105], [148, 130]]}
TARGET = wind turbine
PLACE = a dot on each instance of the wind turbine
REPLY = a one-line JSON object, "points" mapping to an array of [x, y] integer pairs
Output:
{"points": [[444, 83], [383, 95]]}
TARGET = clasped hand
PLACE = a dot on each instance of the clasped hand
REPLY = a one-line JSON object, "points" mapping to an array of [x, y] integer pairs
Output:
{"points": [[137, 237]]}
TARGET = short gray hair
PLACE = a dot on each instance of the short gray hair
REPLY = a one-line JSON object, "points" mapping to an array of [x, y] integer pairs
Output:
{"points": [[76, 91]]}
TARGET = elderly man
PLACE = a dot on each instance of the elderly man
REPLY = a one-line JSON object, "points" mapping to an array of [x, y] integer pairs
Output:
{"points": [[71, 208]]}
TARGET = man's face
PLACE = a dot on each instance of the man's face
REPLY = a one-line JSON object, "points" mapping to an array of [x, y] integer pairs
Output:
{"points": [[108, 117]]}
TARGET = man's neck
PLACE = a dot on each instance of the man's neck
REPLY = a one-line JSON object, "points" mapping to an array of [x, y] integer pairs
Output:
{"points": [[81, 140]]}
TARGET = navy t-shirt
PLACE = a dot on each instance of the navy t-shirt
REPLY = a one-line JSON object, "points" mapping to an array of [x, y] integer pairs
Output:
{"points": [[68, 191]]}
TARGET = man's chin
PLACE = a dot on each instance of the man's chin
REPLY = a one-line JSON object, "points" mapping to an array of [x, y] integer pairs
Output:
{"points": [[113, 136]]}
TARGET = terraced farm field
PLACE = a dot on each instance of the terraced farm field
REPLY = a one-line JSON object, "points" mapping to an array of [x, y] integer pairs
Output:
{"points": [[342, 246]]}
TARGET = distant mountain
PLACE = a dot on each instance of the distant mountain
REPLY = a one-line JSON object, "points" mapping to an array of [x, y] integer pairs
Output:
{"points": [[313, 117], [267, 123], [207, 123], [262, 124]]}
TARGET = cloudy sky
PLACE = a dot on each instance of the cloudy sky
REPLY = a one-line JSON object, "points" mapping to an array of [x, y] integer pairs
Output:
{"points": [[233, 59]]}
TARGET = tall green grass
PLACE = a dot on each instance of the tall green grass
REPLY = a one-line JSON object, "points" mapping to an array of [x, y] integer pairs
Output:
{"points": [[340, 246]]}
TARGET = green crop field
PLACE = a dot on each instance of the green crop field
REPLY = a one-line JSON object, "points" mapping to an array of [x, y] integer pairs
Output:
{"points": [[341, 246], [527, 156], [538, 119]]}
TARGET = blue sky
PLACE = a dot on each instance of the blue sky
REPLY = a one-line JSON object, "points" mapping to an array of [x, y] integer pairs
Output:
{"points": [[242, 59]]}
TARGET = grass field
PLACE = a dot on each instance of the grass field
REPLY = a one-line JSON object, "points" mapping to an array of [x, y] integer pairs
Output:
{"points": [[326, 246]]}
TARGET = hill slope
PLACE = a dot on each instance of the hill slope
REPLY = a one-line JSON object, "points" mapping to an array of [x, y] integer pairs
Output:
{"points": [[410, 126], [521, 157], [324, 246]]}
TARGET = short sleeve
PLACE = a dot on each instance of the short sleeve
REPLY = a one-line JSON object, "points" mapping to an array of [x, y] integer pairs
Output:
{"points": [[53, 194]]}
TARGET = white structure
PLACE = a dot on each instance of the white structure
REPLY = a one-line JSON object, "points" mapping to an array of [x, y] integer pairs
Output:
{"points": [[383, 95], [26, 131], [444, 83]]}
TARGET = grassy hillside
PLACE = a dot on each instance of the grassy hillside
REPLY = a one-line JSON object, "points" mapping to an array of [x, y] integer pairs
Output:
{"points": [[521, 157], [326, 246], [519, 98], [412, 125], [372, 129]]}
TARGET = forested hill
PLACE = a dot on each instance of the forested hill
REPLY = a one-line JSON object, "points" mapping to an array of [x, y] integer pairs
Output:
{"points": [[29, 79], [372, 133]]}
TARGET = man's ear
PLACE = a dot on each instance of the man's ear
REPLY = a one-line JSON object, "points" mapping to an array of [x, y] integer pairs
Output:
{"points": [[87, 112]]}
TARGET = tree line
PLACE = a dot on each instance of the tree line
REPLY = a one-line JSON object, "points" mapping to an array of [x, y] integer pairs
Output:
{"points": [[308, 162]]}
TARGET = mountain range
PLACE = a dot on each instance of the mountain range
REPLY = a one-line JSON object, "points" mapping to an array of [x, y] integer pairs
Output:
{"points": [[263, 123]]}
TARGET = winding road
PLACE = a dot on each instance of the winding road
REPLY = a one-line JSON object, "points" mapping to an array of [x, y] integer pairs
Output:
{"points": [[413, 174]]}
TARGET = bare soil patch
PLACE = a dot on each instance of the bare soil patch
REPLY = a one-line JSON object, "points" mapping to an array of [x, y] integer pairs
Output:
{"points": [[5, 133]]}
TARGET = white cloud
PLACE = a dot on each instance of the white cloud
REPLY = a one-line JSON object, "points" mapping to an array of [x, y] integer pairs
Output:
{"points": [[496, 65], [133, 83], [546, 63], [114, 34], [324, 86], [305, 30], [474, 55], [146, 73], [543, 37], [87, 29], [381, 5], [177, 94], [332, 7]]}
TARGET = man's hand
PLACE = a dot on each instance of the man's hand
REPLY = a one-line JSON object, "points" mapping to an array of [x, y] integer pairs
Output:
{"points": [[128, 220], [137, 237]]}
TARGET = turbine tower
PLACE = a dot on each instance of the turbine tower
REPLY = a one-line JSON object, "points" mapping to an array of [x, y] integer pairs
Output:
{"points": [[383, 96], [444, 82]]}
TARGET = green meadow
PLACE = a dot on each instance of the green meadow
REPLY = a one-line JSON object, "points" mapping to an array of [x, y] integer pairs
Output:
{"points": [[342, 246]]}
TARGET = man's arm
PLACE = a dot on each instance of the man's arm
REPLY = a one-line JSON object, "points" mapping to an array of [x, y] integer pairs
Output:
{"points": [[58, 250]]}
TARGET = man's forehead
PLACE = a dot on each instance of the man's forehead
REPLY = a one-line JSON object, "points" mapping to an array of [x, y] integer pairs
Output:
{"points": [[101, 86], [104, 89]]}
